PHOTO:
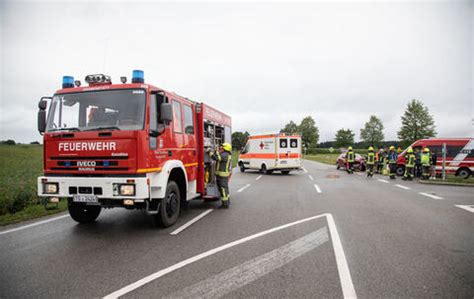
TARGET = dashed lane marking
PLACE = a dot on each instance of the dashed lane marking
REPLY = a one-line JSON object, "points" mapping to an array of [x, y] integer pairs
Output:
{"points": [[304, 170], [310, 177], [33, 224], [258, 178], [190, 222], [243, 188], [383, 181], [430, 195], [403, 187], [469, 208], [342, 267], [317, 188]]}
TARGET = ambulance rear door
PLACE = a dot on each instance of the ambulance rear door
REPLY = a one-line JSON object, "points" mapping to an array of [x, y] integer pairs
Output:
{"points": [[289, 152]]}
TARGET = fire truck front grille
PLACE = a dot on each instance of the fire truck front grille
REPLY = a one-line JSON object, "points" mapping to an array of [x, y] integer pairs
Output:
{"points": [[91, 158], [98, 163]]}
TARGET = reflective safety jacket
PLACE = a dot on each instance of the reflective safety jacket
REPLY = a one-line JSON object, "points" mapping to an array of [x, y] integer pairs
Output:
{"points": [[410, 158], [425, 159], [224, 163], [371, 158], [350, 156], [392, 157]]}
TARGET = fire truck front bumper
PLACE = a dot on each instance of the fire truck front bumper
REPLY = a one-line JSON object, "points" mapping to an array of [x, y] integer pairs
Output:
{"points": [[94, 189]]}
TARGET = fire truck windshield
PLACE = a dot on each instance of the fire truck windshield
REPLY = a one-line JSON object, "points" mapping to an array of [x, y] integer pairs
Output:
{"points": [[122, 109]]}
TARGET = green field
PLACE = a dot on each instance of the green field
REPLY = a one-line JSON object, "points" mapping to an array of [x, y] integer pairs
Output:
{"points": [[323, 158], [20, 165]]}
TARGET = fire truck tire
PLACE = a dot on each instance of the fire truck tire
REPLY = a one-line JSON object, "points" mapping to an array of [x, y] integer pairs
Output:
{"points": [[169, 208], [83, 213], [463, 173]]}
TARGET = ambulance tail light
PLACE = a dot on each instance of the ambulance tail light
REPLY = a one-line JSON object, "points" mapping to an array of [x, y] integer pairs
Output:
{"points": [[138, 76], [68, 81]]}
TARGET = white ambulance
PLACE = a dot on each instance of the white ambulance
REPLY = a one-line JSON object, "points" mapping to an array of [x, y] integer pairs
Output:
{"points": [[273, 152]]}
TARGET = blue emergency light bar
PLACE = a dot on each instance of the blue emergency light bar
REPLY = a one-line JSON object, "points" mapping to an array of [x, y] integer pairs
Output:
{"points": [[68, 81], [138, 76]]}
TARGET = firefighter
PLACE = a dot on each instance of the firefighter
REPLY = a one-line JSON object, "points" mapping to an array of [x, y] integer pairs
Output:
{"points": [[350, 160], [417, 163], [425, 163], [434, 160], [381, 163], [223, 173], [399, 150], [409, 165], [370, 162], [392, 162]]}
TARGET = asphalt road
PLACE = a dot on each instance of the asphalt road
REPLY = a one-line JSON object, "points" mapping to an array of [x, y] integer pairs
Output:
{"points": [[409, 240]]}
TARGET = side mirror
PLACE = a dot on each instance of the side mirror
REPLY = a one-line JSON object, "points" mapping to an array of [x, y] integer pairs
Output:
{"points": [[42, 105], [166, 113], [42, 120]]}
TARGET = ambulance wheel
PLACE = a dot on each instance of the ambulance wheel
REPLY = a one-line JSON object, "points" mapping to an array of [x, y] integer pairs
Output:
{"points": [[242, 168], [400, 170], [264, 170], [83, 213], [463, 173], [285, 172], [168, 211]]}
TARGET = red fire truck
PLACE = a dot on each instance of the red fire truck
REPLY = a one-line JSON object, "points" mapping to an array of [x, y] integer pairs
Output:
{"points": [[459, 155], [130, 145]]}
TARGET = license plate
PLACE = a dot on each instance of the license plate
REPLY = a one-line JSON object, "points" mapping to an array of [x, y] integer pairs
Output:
{"points": [[85, 198]]}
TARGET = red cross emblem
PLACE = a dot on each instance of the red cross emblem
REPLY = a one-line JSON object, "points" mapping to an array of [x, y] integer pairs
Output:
{"points": [[262, 145]]}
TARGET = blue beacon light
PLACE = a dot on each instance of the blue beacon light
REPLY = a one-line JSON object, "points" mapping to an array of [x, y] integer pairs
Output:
{"points": [[68, 81], [138, 76]]}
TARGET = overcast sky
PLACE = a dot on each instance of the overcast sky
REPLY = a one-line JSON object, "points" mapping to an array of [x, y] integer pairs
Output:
{"points": [[263, 64]]}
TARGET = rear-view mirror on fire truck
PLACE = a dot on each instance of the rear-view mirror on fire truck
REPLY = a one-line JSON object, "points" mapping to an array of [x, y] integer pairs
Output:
{"points": [[166, 113], [42, 114]]}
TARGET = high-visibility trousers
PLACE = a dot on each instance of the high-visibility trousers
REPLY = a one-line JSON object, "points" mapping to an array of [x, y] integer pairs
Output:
{"points": [[223, 185]]}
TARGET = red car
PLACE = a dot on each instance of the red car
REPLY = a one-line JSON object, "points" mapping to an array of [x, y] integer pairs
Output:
{"points": [[359, 162]]}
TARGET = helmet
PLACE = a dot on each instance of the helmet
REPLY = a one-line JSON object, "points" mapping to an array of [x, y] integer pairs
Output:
{"points": [[409, 150], [227, 147], [371, 149], [426, 150], [350, 148], [392, 148]]}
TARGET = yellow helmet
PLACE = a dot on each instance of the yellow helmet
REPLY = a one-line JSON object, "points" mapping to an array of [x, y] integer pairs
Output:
{"points": [[426, 150], [409, 150], [392, 148], [371, 149], [227, 147], [350, 148]]}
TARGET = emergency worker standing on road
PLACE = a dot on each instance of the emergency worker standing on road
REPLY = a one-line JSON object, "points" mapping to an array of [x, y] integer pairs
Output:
{"points": [[381, 160], [350, 160], [409, 165], [370, 162], [392, 162], [417, 163], [224, 170], [434, 160], [425, 163]]}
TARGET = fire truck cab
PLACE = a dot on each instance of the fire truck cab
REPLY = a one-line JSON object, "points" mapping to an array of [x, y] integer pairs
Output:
{"points": [[130, 145], [273, 152]]}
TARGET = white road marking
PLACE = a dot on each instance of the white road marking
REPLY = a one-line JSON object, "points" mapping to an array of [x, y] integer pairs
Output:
{"points": [[190, 222], [343, 269], [258, 178], [403, 187], [33, 224], [304, 170], [383, 181], [310, 177], [347, 286], [317, 188], [430, 195], [243, 188], [229, 280], [466, 207]]}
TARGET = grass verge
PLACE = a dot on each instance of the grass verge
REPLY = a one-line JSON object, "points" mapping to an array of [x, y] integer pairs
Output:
{"points": [[323, 158], [31, 212], [452, 181]]}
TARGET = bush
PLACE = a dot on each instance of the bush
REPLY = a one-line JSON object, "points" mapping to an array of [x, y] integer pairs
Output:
{"points": [[21, 200], [8, 142]]}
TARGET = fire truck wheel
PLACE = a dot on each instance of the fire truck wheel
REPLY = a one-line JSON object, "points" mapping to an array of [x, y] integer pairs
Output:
{"points": [[84, 214], [168, 211], [463, 173]]}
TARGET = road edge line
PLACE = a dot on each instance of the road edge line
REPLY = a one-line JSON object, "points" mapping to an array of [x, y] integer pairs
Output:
{"points": [[347, 286], [33, 224]]}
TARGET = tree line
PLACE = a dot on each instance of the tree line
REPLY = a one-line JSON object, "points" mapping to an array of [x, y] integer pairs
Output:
{"points": [[416, 123]]}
